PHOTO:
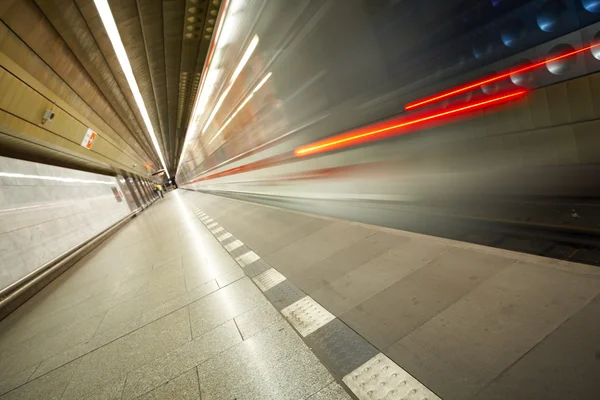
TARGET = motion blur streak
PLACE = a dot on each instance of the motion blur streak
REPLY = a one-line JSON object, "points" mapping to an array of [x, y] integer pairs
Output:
{"points": [[354, 138], [256, 89], [209, 58], [265, 163], [359, 137], [500, 145], [240, 67], [494, 78]]}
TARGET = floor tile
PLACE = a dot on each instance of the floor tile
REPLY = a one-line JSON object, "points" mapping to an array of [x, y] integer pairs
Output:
{"points": [[111, 391], [134, 308], [306, 315], [396, 311], [117, 358], [331, 392], [48, 387], [469, 344], [340, 348], [99, 340], [257, 319], [161, 370], [247, 258], [230, 277], [178, 302], [268, 279], [257, 267], [284, 294], [38, 349], [183, 387], [316, 247], [224, 236], [262, 367], [376, 275], [223, 305], [233, 245], [340, 263], [565, 365], [17, 379], [381, 378]]}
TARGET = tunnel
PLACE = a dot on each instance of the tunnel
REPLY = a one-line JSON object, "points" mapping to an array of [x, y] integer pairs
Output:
{"points": [[300, 199]]}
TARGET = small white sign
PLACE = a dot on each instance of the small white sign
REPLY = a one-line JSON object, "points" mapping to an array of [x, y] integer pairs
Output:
{"points": [[88, 139]]}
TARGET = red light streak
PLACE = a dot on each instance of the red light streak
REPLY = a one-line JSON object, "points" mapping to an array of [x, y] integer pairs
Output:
{"points": [[354, 137], [491, 79], [350, 139]]}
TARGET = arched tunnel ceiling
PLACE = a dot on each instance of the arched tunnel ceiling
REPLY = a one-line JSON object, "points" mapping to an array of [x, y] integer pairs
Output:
{"points": [[166, 42]]}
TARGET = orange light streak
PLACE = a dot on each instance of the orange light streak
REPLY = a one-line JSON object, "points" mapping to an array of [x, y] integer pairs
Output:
{"points": [[350, 139], [491, 79]]}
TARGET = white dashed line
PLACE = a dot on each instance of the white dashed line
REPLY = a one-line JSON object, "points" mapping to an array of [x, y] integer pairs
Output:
{"points": [[233, 245], [224, 236], [247, 258]]}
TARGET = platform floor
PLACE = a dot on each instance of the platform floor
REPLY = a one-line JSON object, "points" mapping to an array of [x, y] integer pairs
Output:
{"points": [[213, 298], [467, 321], [159, 311]]}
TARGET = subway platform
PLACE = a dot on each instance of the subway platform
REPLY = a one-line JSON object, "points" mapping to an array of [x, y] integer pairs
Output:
{"points": [[203, 297]]}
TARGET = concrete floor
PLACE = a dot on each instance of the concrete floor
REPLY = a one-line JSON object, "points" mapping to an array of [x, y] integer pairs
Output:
{"points": [[159, 311], [467, 321], [213, 298]]}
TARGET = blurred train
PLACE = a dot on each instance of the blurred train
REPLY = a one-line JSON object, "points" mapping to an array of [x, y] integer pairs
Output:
{"points": [[470, 119]]}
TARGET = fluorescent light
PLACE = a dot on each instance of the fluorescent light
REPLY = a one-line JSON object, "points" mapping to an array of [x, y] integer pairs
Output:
{"points": [[260, 84], [113, 34], [53, 178], [216, 108], [226, 27], [232, 117], [236, 73], [266, 78], [245, 58]]}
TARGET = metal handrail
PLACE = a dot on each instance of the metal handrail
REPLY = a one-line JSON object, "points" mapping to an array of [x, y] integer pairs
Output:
{"points": [[5, 292]]}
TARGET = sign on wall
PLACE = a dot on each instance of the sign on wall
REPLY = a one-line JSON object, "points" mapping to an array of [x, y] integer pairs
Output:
{"points": [[117, 194], [88, 139]]}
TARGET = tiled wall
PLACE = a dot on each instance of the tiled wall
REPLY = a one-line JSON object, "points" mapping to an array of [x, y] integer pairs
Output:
{"points": [[43, 213], [30, 86]]}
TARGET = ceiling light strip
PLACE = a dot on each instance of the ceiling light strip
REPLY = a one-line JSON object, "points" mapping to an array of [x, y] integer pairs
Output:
{"points": [[113, 34], [208, 65]]}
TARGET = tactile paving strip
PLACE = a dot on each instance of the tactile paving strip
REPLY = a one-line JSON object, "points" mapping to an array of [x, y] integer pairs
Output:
{"points": [[342, 349], [373, 376], [257, 267], [233, 245], [247, 258], [212, 225], [268, 279], [228, 240], [217, 231], [240, 251], [382, 379], [224, 236], [306, 315], [284, 294]]}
